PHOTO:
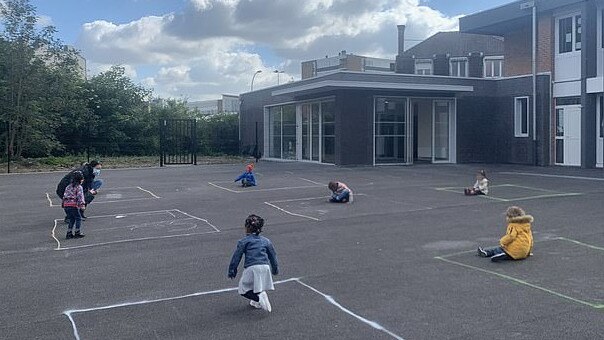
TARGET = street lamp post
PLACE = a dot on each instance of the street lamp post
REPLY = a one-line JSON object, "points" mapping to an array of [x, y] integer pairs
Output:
{"points": [[252, 86], [278, 77]]}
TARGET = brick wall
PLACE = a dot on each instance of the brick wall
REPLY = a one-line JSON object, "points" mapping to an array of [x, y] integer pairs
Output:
{"points": [[545, 43], [518, 48], [517, 52]]}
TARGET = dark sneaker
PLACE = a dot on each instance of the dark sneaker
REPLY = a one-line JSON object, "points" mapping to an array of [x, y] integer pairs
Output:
{"points": [[482, 253], [69, 235], [78, 235], [82, 215]]}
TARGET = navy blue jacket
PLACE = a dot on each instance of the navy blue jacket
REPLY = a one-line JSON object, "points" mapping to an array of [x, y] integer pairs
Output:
{"points": [[258, 250]]}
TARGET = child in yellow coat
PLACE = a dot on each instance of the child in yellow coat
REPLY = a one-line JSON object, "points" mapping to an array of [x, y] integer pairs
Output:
{"points": [[517, 244]]}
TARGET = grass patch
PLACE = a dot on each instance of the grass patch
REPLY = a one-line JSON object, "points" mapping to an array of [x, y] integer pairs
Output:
{"points": [[71, 162]]}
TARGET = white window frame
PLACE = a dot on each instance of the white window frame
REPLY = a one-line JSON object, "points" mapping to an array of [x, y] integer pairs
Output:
{"points": [[518, 117], [423, 69], [458, 61], [493, 59], [573, 33]]}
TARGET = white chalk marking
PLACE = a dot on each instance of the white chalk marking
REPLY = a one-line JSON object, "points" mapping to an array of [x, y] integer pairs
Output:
{"points": [[554, 176], [553, 193], [311, 181], [543, 196], [309, 198], [71, 312], [200, 219], [215, 229], [513, 279], [349, 312], [134, 240], [250, 189], [579, 243], [291, 213], [149, 192], [133, 214], [52, 233], [223, 188], [49, 200]]}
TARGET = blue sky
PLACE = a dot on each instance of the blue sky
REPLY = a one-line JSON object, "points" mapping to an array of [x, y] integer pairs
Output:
{"points": [[197, 49]]}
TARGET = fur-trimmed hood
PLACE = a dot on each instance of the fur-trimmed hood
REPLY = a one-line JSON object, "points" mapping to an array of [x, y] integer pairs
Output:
{"points": [[521, 219]]}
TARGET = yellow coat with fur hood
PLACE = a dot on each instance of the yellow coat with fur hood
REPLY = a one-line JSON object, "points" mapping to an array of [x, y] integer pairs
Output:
{"points": [[518, 240]]}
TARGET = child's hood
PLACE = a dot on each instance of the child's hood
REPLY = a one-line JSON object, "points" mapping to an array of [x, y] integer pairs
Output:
{"points": [[521, 221]]}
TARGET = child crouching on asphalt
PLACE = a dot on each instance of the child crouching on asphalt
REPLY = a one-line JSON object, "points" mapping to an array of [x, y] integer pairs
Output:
{"points": [[260, 262], [340, 193], [517, 244], [247, 178]]}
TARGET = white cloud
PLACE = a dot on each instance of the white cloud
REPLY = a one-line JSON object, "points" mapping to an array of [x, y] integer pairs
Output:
{"points": [[44, 20], [211, 47]]}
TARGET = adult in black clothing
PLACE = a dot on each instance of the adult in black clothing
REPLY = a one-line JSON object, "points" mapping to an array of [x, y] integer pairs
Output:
{"points": [[91, 184]]}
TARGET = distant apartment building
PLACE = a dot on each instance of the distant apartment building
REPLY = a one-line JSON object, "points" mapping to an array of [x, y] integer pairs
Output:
{"points": [[227, 104], [345, 62]]}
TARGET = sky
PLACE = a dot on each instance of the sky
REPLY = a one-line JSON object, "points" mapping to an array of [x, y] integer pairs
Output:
{"points": [[200, 49]]}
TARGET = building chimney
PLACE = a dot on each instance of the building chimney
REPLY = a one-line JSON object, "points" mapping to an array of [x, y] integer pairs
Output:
{"points": [[401, 39]]}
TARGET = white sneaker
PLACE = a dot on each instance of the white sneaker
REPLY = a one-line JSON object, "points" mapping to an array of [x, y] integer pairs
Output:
{"points": [[264, 303], [255, 304]]}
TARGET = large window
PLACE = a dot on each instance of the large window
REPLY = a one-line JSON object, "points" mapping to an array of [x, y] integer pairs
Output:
{"points": [[282, 132], [390, 130], [274, 132], [493, 67], [328, 120], [288, 145], [569, 34], [458, 67], [423, 66], [521, 116]]}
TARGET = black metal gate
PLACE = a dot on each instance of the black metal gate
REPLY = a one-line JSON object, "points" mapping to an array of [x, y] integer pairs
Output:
{"points": [[178, 141]]}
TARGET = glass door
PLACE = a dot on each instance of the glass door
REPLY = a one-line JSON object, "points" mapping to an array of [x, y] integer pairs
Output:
{"points": [[600, 132], [390, 130], [441, 118], [568, 135], [328, 130], [315, 131], [306, 132]]}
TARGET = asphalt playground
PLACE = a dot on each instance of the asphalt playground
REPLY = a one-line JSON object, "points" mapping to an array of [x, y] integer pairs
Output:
{"points": [[397, 263]]}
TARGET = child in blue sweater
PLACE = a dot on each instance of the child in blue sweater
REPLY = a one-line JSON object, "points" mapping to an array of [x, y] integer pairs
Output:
{"points": [[247, 178], [260, 262]]}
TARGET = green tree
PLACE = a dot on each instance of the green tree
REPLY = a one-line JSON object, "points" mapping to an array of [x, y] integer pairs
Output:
{"points": [[119, 110], [35, 69]]}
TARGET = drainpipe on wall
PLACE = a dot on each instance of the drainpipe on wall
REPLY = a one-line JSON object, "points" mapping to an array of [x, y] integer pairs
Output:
{"points": [[535, 84], [532, 5]]}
